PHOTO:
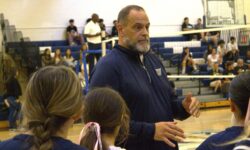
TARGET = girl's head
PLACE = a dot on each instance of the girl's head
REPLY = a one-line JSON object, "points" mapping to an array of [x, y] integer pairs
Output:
{"points": [[68, 53], [186, 50], [58, 53], [53, 100], [221, 43], [232, 39], [186, 20], [107, 108], [213, 51], [239, 92], [47, 52]]}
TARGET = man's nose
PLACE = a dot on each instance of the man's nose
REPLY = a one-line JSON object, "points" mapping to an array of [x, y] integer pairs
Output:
{"points": [[145, 31]]}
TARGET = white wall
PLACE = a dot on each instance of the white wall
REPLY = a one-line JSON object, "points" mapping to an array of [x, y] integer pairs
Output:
{"points": [[247, 10], [47, 19]]}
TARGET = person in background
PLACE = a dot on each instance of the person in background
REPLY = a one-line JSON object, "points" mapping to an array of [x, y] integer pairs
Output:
{"points": [[213, 58], [232, 45], [198, 26], [216, 83], [11, 97], [46, 58], [92, 32], [187, 60], [134, 71], [240, 67], [221, 50], [208, 52], [73, 34], [229, 70], [104, 34], [247, 58], [114, 29], [239, 97], [186, 26], [232, 55], [106, 119], [69, 59], [57, 57], [53, 102]]}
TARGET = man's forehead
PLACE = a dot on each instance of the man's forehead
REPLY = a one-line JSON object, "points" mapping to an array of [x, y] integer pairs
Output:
{"points": [[139, 17]]}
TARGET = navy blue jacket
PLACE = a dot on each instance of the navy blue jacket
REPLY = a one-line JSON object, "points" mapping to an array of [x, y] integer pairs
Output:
{"points": [[214, 142], [243, 145], [23, 142], [146, 90]]}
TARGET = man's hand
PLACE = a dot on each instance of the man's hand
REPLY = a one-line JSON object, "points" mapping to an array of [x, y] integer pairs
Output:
{"points": [[191, 105], [166, 131]]}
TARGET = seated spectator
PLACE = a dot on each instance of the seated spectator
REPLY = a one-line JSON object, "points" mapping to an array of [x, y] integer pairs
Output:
{"points": [[215, 83], [210, 38], [53, 103], [240, 67], [198, 26], [46, 58], [239, 98], [81, 75], [232, 55], [114, 29], [187, 60], [106, 119], [221, 50], [208, 52], [11, 97], [232, 45], [186, 26], [247, 59], [72, 34], [213, 58], [57, 57], [229, 70], [69, 59]]}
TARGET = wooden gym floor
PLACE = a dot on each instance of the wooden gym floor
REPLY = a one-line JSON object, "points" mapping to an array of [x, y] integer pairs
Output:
{"points": [[212, 120]]}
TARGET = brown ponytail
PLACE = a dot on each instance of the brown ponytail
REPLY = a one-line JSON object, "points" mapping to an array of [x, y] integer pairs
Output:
{"points": [[53, 95]]}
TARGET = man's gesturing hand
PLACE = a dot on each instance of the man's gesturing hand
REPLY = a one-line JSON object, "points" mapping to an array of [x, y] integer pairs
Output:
{"points": [[166, 131], [191, 105]]}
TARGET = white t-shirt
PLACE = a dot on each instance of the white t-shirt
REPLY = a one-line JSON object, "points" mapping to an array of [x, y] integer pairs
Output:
{"points": [[115, 148], [231, 46], [213, 59], [92, 29]]}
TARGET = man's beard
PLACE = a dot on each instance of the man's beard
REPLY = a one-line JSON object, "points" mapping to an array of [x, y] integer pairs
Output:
{"points": [[142, 49]]}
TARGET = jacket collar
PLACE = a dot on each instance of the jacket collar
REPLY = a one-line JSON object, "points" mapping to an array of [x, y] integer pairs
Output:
{"points": [[130, 52]]}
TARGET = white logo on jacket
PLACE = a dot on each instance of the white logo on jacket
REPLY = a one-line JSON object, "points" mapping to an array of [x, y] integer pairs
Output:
{"points": [[158, 71]]}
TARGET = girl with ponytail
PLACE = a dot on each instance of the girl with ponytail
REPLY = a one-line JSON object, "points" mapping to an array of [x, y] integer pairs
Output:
{"points": [[53, 102], [239, 93], [106, 119]]}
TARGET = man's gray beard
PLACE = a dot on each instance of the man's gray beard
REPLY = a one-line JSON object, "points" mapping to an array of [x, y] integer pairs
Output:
{"points": [[137, 47]]}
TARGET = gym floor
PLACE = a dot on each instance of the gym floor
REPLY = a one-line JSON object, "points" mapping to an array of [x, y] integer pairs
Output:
{"points": [[211, 121]]}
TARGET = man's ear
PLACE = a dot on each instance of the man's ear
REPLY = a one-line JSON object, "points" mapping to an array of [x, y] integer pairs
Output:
{"points": [[120, 28]]}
